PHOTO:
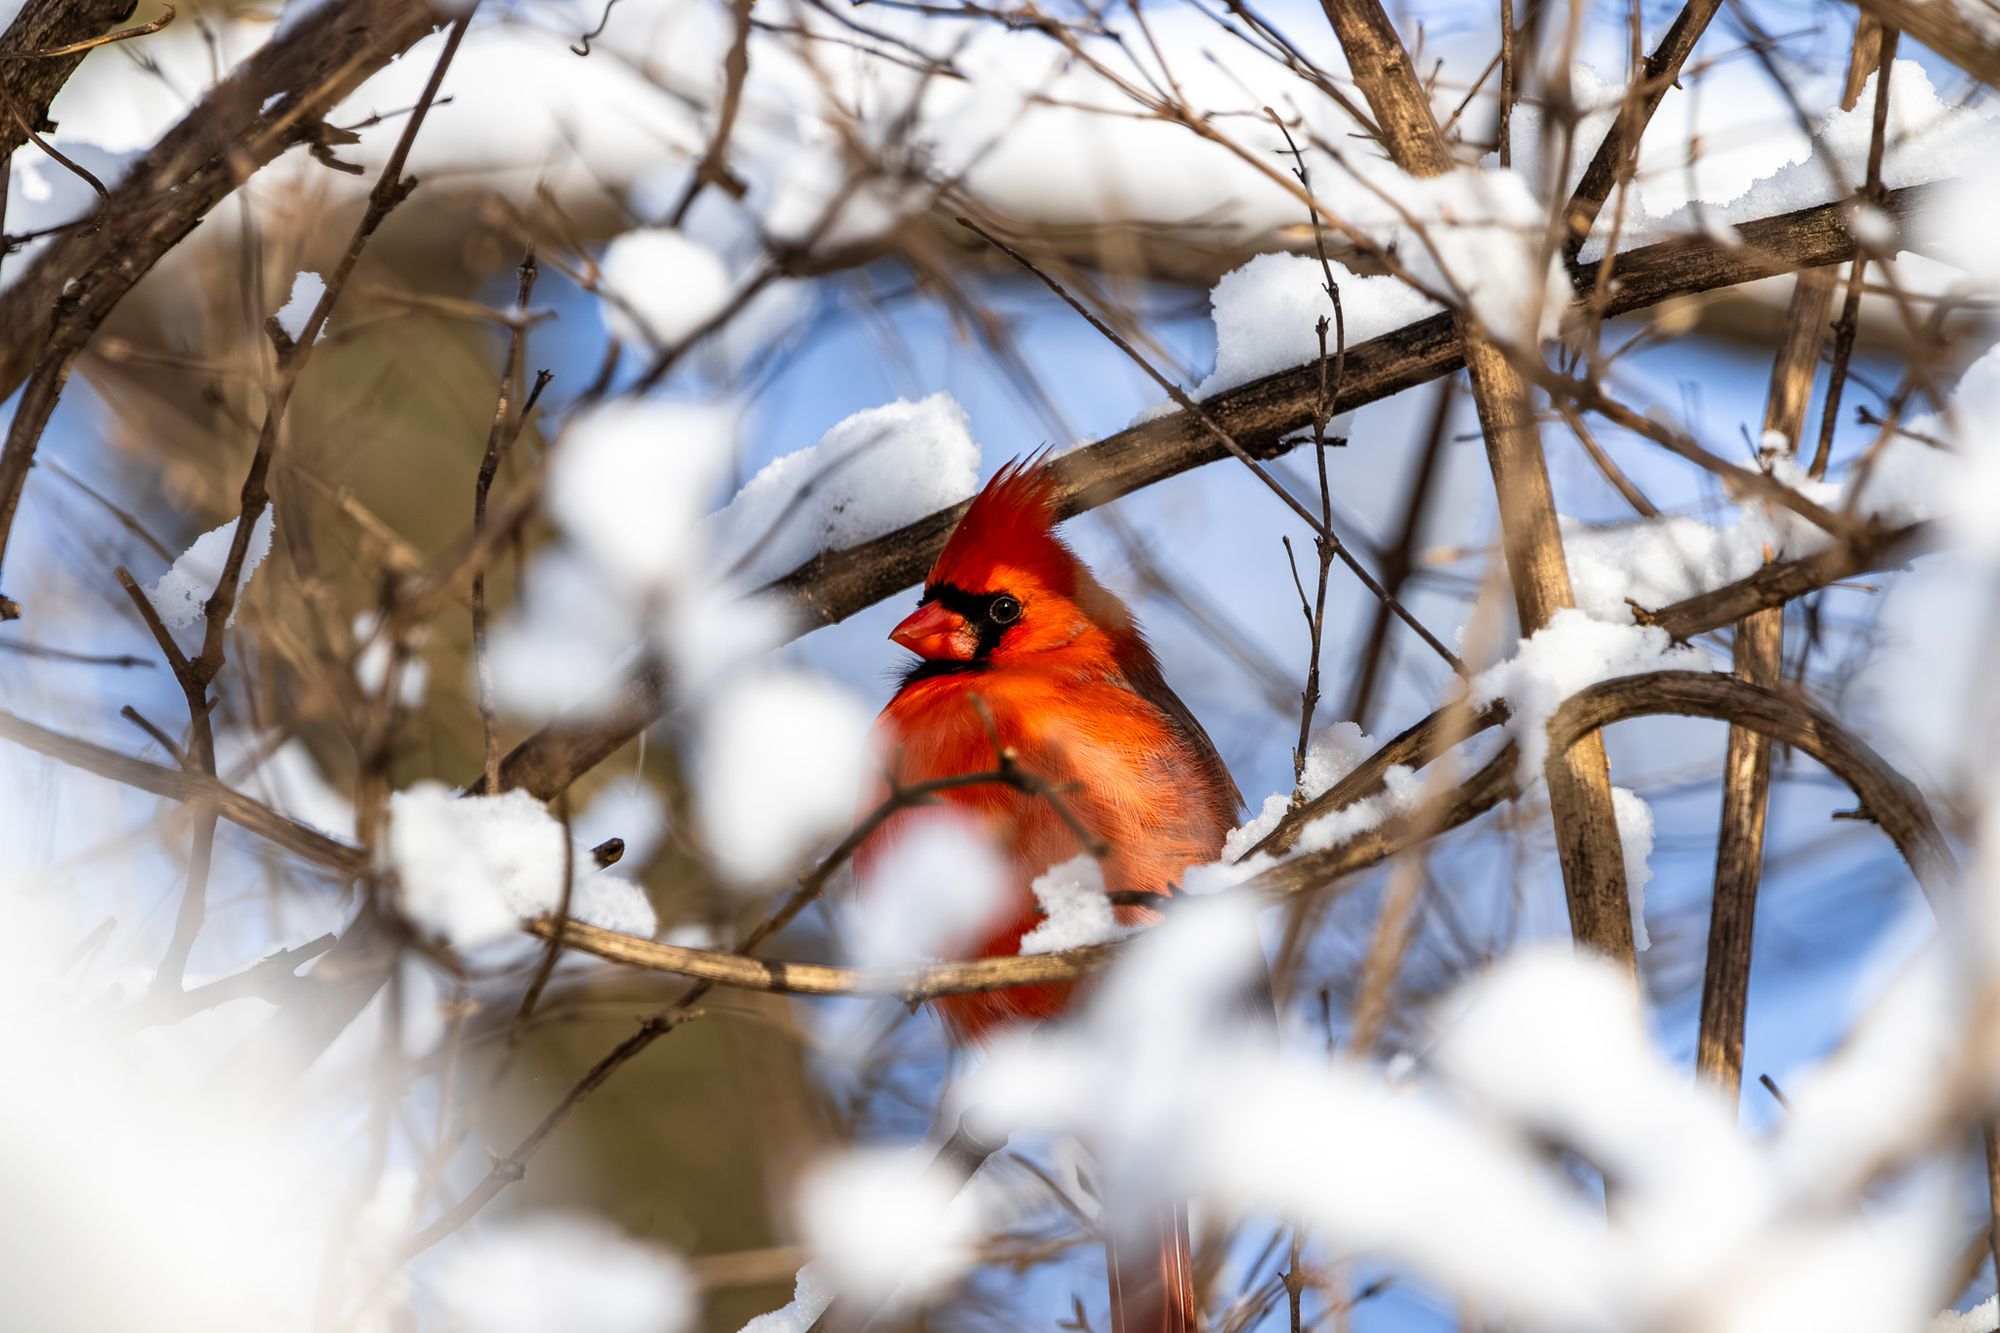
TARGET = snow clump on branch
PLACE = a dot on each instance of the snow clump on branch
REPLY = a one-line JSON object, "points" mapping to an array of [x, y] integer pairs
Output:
{"points": [[570, 1271], [472, 868], [181, 594]]}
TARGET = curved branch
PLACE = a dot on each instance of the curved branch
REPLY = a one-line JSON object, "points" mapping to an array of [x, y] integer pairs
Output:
{"points": [[1888, 798], [1894, 803], [1772, 585]]}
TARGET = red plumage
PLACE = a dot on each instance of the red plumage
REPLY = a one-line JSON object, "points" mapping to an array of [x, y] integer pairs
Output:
{"points": [[1012, 619]]}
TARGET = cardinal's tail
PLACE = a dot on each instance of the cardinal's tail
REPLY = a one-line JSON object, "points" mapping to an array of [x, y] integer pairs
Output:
{"points": [[1152, 1275]]}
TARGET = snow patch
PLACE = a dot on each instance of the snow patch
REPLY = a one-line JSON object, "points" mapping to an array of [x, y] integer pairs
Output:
{"points": [[571, 1271], [883, 1224], [1635, 836], [784, 759], [307, 288], [471, 868], [937, 890], [667, 284], [631, 482], [811, 1294], [874, 472], [1075, 906], [182, 592], [1571, 652], [1331, 755], [1926, 139], [1267, 313]]}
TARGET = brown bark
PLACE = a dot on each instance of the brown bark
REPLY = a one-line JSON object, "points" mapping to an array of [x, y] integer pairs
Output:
{"points": [[32, 81]]}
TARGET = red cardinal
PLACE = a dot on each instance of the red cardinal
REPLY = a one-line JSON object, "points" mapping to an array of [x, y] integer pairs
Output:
{"points": [[1010, 618]]}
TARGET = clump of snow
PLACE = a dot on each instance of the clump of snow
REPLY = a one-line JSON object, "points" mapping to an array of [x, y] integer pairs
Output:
{"points": [[1267, 311], [872, 473], [1571, 652], [667, 285], [629, 487], [1873, 228], [1471, 236], [1926, 139], [693, 935], [1635, 835], [1077, 909], [1401, 793], [307, 288], [784, 759], [1595, 101], [1476, 236], [1981, 1318], [571, 1271], [631, 482], [881, 1224], [566, 643], [1959, 483], [811, 1294], [182, 592], [471, 868], [1955, 228], [938, 888], [628, 808], [1658, 561], [1330, 756], [371, 664]]}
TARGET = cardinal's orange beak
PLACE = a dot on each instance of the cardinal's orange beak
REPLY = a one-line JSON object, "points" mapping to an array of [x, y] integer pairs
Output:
{"points": [[935, 633]]}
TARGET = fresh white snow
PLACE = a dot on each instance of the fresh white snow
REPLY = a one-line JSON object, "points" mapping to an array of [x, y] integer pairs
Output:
{"points": [[180, 594], [811, 1294], [1571, 652], [471, 868], [870, 474], [940, 887], [784, 759], [307, 288], [1077, 912], [1635, 836], [667, 286], [568, 1270]]}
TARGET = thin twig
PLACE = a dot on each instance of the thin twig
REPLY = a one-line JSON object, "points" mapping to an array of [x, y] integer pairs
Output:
{"points": [[1848, 325]]}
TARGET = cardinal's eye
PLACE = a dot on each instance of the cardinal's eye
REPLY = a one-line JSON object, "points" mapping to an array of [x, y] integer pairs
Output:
{"points": [[1003, 610]]}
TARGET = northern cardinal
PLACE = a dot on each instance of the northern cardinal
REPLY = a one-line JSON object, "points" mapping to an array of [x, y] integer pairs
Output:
{"points": [[1020, 646]]}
